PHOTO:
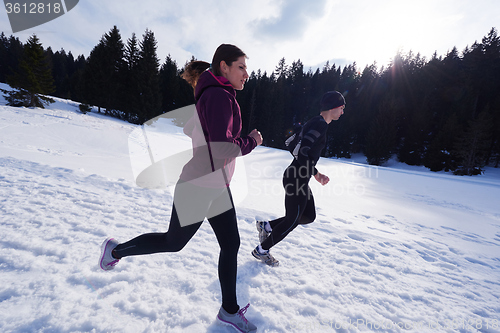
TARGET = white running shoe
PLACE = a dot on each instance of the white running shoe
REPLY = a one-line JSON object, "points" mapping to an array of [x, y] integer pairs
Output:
{"points": [[261, 228], [265, 257], [237, 320], [107, 262]]}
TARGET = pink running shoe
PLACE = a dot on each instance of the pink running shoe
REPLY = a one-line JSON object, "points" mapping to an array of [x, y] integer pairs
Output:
{"points": [[237, 320]]}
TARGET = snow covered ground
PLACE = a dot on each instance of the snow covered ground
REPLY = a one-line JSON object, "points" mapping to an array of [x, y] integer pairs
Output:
{"points": [[393, 249]]}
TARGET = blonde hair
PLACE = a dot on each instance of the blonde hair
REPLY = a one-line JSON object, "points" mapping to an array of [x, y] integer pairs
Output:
{"points": [[193, 70]]}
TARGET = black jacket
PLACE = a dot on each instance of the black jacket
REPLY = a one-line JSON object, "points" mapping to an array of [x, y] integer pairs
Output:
{"points": [[312, 144]]}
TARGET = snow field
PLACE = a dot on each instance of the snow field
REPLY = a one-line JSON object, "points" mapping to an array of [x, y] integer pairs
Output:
{"points": [[394, 249]]}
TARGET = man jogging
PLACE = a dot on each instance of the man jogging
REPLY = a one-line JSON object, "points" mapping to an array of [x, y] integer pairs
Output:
{"points": [[299, 200]]}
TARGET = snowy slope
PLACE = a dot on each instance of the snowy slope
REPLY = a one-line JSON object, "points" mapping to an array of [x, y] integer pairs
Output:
{"points": [[394, 249]]}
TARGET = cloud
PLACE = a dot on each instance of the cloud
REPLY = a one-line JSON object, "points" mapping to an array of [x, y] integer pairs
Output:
{"points": [[291, 22]]}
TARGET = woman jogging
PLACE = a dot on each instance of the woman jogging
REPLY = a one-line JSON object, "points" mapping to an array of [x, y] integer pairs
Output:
{"points": [[299, 200], [203, 188]]}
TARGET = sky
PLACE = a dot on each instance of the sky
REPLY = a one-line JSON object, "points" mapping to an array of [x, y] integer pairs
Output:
{"points": [[313, 31]]}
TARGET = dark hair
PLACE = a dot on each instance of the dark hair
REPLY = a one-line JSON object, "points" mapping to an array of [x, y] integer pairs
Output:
{"points": [[225, 52], [228, 53]]}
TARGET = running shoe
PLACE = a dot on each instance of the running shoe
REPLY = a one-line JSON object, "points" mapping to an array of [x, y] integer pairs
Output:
{"points": [[265, 257], [261, 228], [237, 320], [107, 262]]}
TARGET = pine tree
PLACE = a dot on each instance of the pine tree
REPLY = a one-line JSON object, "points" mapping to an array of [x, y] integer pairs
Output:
{"points": [[280, 98], [130, 86], [102, 71], [149, 93], [4, 51], [282, 69], [76, 82], [170, 85], [381, 137], [60, 72], [261, 107], [298, 101], [439, 156], [93, 77], [11, 51], [33, 80], [494, 152], [471, 148], [368, 99], [252, 102], [115, 64], [342, 133]]}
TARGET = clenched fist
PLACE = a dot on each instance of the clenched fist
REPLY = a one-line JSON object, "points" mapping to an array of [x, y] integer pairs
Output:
{"points": [[257, 136]]}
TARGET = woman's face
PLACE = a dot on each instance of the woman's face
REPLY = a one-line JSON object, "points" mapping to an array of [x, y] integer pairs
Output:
{"points": [[236, 73]]}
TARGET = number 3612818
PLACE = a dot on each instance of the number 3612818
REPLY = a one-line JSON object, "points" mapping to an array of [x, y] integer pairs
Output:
{"points": [[33, 8]]}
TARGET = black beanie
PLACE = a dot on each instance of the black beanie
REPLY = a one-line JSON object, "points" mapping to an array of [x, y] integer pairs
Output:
{"points": [[331, 100]]}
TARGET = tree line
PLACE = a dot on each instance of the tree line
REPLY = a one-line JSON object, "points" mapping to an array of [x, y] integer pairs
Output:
{"points": [[443, 112]]}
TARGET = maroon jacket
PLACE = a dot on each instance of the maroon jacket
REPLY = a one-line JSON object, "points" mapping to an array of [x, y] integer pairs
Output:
{"points": [[215, 133]]}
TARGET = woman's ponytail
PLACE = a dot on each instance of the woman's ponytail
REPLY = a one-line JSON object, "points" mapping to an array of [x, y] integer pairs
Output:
{"points": [[193, 70]]}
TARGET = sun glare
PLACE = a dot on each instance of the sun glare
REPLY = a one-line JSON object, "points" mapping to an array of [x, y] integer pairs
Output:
{"points": [[398, 26], [377, 31]]}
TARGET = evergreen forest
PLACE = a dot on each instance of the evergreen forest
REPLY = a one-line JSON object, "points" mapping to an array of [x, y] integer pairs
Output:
{"points": [[443, 112]]}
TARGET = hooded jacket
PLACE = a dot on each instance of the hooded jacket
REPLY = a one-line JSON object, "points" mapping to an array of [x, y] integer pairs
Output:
{"points": [[215, 132]]}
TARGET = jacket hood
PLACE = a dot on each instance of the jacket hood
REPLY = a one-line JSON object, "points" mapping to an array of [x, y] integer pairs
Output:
{"points": [[207, 79]]}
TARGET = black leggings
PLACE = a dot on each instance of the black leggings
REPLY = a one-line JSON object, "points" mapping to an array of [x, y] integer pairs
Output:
{"points": [[299, 207], [226, 230]]}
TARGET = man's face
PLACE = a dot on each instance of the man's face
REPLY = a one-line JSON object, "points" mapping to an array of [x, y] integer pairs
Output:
{"points": [[337, 112]]}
